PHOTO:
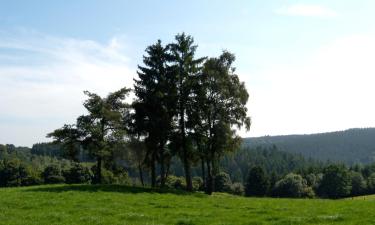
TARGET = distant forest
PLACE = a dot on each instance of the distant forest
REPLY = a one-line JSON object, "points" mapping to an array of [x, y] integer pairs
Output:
{"points": [[350, 147]]}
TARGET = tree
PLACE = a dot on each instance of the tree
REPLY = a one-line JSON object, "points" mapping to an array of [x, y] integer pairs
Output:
{"points": [[257, 183], [155, 106], [99, 132], [371, 183], [359, 185], [336, 182], [218, 105], [185, 66]]}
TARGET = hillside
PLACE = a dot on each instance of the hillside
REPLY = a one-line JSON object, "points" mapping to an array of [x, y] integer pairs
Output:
{"points": [[85, 204], [349, 146]]}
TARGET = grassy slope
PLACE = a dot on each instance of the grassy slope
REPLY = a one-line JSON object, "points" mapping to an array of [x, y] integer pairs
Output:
{"points": [[83, 204]]}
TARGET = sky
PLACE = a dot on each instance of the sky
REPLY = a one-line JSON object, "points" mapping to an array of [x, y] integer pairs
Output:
{"points": [[308, 65]]}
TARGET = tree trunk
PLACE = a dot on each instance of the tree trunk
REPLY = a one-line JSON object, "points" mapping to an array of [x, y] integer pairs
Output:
{"points": [[162, 168], [209, 185], [153, 172], [99, 170], [189, 184], [203, 173], [140, 173]]}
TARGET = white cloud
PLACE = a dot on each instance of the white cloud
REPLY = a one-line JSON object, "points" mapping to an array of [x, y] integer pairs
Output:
{"points": [[306, 10], [42, 79], [332, 90]]}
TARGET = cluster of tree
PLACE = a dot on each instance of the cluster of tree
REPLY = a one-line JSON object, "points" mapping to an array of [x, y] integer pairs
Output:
{"points": [[14, 172], [331, 181], [185, 107], [350, 146]]}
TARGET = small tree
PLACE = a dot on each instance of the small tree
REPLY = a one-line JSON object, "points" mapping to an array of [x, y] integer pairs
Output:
{"points": [[359, 185], [257, 183], [336, 182]]}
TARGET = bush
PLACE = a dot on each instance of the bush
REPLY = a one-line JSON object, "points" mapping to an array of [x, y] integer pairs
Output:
{"points": [[198, 184], [14, 173], [77, 174], [118, 176], [52, 175], [237, 189], [257, 183], [292, 186], [223, 182], [175, 182]]}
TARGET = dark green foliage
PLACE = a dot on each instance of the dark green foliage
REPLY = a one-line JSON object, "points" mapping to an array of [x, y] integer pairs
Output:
{"points": [[371, 183], [359, 185], [292, 186], [52, 174], [77, 174], [46, 149], [15, 173], [155, 107], [185, 69], [223, 182], [257, 183], [336, 182]]}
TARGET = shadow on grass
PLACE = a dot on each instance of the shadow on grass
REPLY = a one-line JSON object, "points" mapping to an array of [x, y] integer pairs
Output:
{"points": [[106, 188]]}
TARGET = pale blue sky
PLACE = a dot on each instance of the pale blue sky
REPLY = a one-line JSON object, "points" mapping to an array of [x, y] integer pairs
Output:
{"points": [[307, 64]]}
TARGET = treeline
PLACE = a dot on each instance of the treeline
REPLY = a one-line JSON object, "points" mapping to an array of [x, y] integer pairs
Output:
{"points": [[185, 107], [350, 146], [330, 181]]}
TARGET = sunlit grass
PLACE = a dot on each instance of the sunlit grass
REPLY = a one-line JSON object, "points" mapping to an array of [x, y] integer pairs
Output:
{"points": [[110, 204]]}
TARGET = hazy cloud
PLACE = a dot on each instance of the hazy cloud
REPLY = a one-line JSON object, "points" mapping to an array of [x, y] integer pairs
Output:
{"points": [[42, 79]]}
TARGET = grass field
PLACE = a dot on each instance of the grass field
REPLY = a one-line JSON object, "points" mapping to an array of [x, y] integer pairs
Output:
{"points": [[85, 204]]}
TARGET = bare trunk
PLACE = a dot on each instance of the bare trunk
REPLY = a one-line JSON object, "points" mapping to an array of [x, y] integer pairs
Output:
{"points": [[209, 185], [140, 173], [153, 172]]}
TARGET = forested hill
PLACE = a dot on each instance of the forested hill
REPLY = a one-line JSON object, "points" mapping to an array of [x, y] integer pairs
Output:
{"points": [[349, 146]]}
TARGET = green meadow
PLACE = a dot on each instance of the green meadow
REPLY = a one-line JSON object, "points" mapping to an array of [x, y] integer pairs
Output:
{"points": [[113, 204]]}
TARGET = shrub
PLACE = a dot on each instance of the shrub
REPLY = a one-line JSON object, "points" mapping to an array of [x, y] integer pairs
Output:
{"points": [[292, 186], [14, 173], [198, 184], [237, 188], [77, 174], [52, 175], [175, 182]]}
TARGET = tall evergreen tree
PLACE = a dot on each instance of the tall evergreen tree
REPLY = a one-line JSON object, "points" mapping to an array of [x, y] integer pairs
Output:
{"points": [[186, 67], [155, 106], [257, 183]]}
